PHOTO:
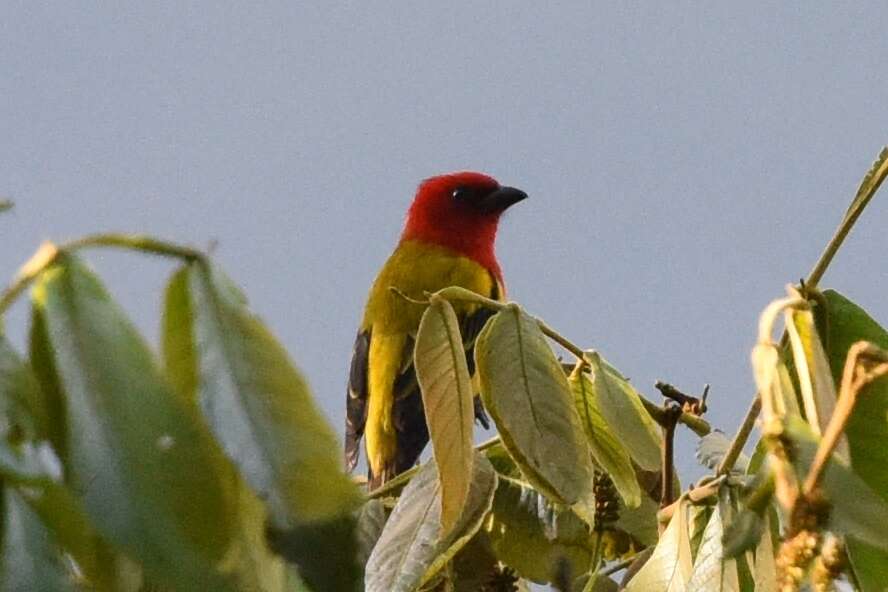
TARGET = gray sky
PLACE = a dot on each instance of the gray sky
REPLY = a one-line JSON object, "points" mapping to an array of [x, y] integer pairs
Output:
{"points": [[684, 162]]}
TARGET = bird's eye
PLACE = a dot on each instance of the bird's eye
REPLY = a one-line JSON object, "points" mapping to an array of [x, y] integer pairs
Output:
{"points": [[461, 193]]}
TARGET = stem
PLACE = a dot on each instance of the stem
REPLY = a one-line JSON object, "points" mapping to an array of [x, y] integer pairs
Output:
{"points": [[740, 438], [48, 252], [696, 424], [672, 413], [403, 478], [865, 193], [134, 242]]}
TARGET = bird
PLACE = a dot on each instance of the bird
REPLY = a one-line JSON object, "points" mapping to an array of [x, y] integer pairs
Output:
{"points": [[447, 240]]}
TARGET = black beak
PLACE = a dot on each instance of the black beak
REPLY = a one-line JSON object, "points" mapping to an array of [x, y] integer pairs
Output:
{"points": [[501, 199]]}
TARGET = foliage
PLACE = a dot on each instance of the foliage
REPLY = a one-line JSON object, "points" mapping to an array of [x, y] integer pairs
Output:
{"points": [[210, 467]]}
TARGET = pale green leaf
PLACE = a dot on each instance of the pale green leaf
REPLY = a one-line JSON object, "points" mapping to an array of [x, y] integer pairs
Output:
{"points": [[606, 449], [443, 375], [669, 567], [411, 549], [765, 572], [526, 393], [534, 536], [711, 449], [260, 409], [131, 447], [625, 414], [712, 569]]}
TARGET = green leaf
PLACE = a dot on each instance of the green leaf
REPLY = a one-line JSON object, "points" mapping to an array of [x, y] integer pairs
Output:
{"points": [[371, 520], [867, 429], [624, 412], [526, 393], [443, 375], [606, 449], [18, 387], [6, 205], [713, 570], [260, 409], [669, 567], [131, 447], [177, 337], [856, 509], [640, 522], [411, 549], [744, 533], [250, 560], [324, 552], [30, 559], [870, 565], [534, 536]]}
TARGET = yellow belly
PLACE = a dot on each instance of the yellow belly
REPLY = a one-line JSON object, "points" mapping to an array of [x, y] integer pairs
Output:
{"points": [[414, 269]]}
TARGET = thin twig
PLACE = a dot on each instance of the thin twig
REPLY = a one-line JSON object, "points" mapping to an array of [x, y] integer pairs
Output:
{"points": [[739, 441], [855, 376], [696, 495], [672, 413], [689, 404], [48, 253], [389, 487], [696, 424]]}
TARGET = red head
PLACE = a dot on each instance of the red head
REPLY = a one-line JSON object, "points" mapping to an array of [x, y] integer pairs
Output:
{"points": [[460, 211]]}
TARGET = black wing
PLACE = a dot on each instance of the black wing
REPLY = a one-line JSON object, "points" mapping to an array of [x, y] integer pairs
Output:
{"points": [[356, 400]]}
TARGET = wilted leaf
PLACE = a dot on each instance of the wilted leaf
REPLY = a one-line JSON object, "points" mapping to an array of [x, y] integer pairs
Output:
{"points": [[669, 567], [30, 559], [625, 414], [260, 409], [812, 369], [711, 449], [443, 375], [410, 550], [533, 536], [712, 569], [526, 392], [606, 449], [131, 447]]}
